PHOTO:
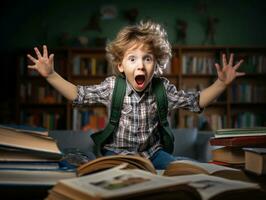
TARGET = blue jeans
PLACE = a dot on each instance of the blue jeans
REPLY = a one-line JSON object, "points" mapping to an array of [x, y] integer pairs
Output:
{"points": [[160, 159]]}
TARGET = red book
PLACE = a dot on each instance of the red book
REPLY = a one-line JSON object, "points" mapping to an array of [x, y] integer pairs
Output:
{"points": [[243, 141], [237, 166]]}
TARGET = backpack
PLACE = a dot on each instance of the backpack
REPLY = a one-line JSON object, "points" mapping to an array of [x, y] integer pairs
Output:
{"points": [[102, 137]]}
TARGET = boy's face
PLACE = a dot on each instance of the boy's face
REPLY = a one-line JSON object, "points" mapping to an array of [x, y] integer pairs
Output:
{"points": [[138, 66]]}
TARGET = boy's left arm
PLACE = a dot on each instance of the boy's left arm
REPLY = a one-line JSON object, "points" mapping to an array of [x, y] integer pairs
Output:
{"points": [[226, 74]]}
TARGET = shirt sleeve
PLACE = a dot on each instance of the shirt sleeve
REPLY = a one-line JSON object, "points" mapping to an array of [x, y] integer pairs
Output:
{"points": [[182, 99], [100, 93]]}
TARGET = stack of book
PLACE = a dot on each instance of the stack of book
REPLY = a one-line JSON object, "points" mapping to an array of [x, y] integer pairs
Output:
{"points": [[241, 147], [29, 157]]}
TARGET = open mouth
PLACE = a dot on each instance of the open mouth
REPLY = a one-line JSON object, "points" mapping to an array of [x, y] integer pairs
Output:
{"points": [[140, 79]]}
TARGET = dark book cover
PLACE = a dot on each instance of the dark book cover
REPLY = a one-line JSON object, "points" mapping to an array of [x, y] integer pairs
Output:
{"points": [[244, 141]]}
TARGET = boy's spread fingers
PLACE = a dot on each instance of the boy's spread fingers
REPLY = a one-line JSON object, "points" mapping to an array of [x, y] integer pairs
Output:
{"points": [[31, 58], [31, 66], [37, 52], [224, 60], [45, 52], [231, 59], [240, 73], [217, 66], [238, 64]]}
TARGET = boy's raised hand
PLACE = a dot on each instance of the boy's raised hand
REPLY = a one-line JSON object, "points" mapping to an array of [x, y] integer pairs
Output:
{"points": [[228, 72], [43, 64]]}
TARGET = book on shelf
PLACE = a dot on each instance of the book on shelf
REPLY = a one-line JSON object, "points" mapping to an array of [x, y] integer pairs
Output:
{"points": [[29, 142], [89, 119], [240, 132], [89, 65], [44, 118], [118, 183], [198, 64], [106, 162], [243, 141], [248, 118], [230, 155], [187, 167], [255, 160]]}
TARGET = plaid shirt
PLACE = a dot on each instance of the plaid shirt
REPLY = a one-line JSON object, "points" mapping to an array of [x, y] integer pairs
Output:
{"points": [[137, 131]]}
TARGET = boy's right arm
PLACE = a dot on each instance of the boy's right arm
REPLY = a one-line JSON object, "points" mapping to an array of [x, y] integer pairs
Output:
{"points": [[44, 65]]}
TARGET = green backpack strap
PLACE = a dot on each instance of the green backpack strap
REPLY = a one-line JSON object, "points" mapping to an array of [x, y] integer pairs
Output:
{"points": [[162, 109], [101, 137]]}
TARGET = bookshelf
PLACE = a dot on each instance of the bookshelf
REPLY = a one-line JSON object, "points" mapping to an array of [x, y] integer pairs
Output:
{"points": [[192, 67], [242, 104], [247, 96], [37, 102], [41, 105]]}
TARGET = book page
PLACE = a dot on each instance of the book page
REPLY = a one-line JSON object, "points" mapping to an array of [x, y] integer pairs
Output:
{"points": [[116, 182], [114, 160], [211, 168], [9, 138], [210, 186], [32, 131]]}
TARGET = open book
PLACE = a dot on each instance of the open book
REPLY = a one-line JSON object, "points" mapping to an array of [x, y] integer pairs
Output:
{"points": [[186, 167], [118, 183], [106, 162]]}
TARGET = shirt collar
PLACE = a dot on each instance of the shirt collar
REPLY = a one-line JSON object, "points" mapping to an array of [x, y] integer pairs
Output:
{"points": [[130, 90]]}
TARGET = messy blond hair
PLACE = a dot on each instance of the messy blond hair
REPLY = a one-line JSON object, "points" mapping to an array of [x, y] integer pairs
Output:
{"points": [[148, 33]]}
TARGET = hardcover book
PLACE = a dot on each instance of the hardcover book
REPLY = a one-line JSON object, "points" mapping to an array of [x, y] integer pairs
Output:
{"points": [[20, 155], [240, 132], [29, 142], [255, 160], [33, 177], [243, 141], [231, 155]]}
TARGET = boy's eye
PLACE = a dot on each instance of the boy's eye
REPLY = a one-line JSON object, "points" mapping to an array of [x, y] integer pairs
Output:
{"points": [[132, 59], [148, 59]]}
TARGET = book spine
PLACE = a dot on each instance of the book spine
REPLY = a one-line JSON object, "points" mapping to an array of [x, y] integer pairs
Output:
{"points": [[239, 141]]}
